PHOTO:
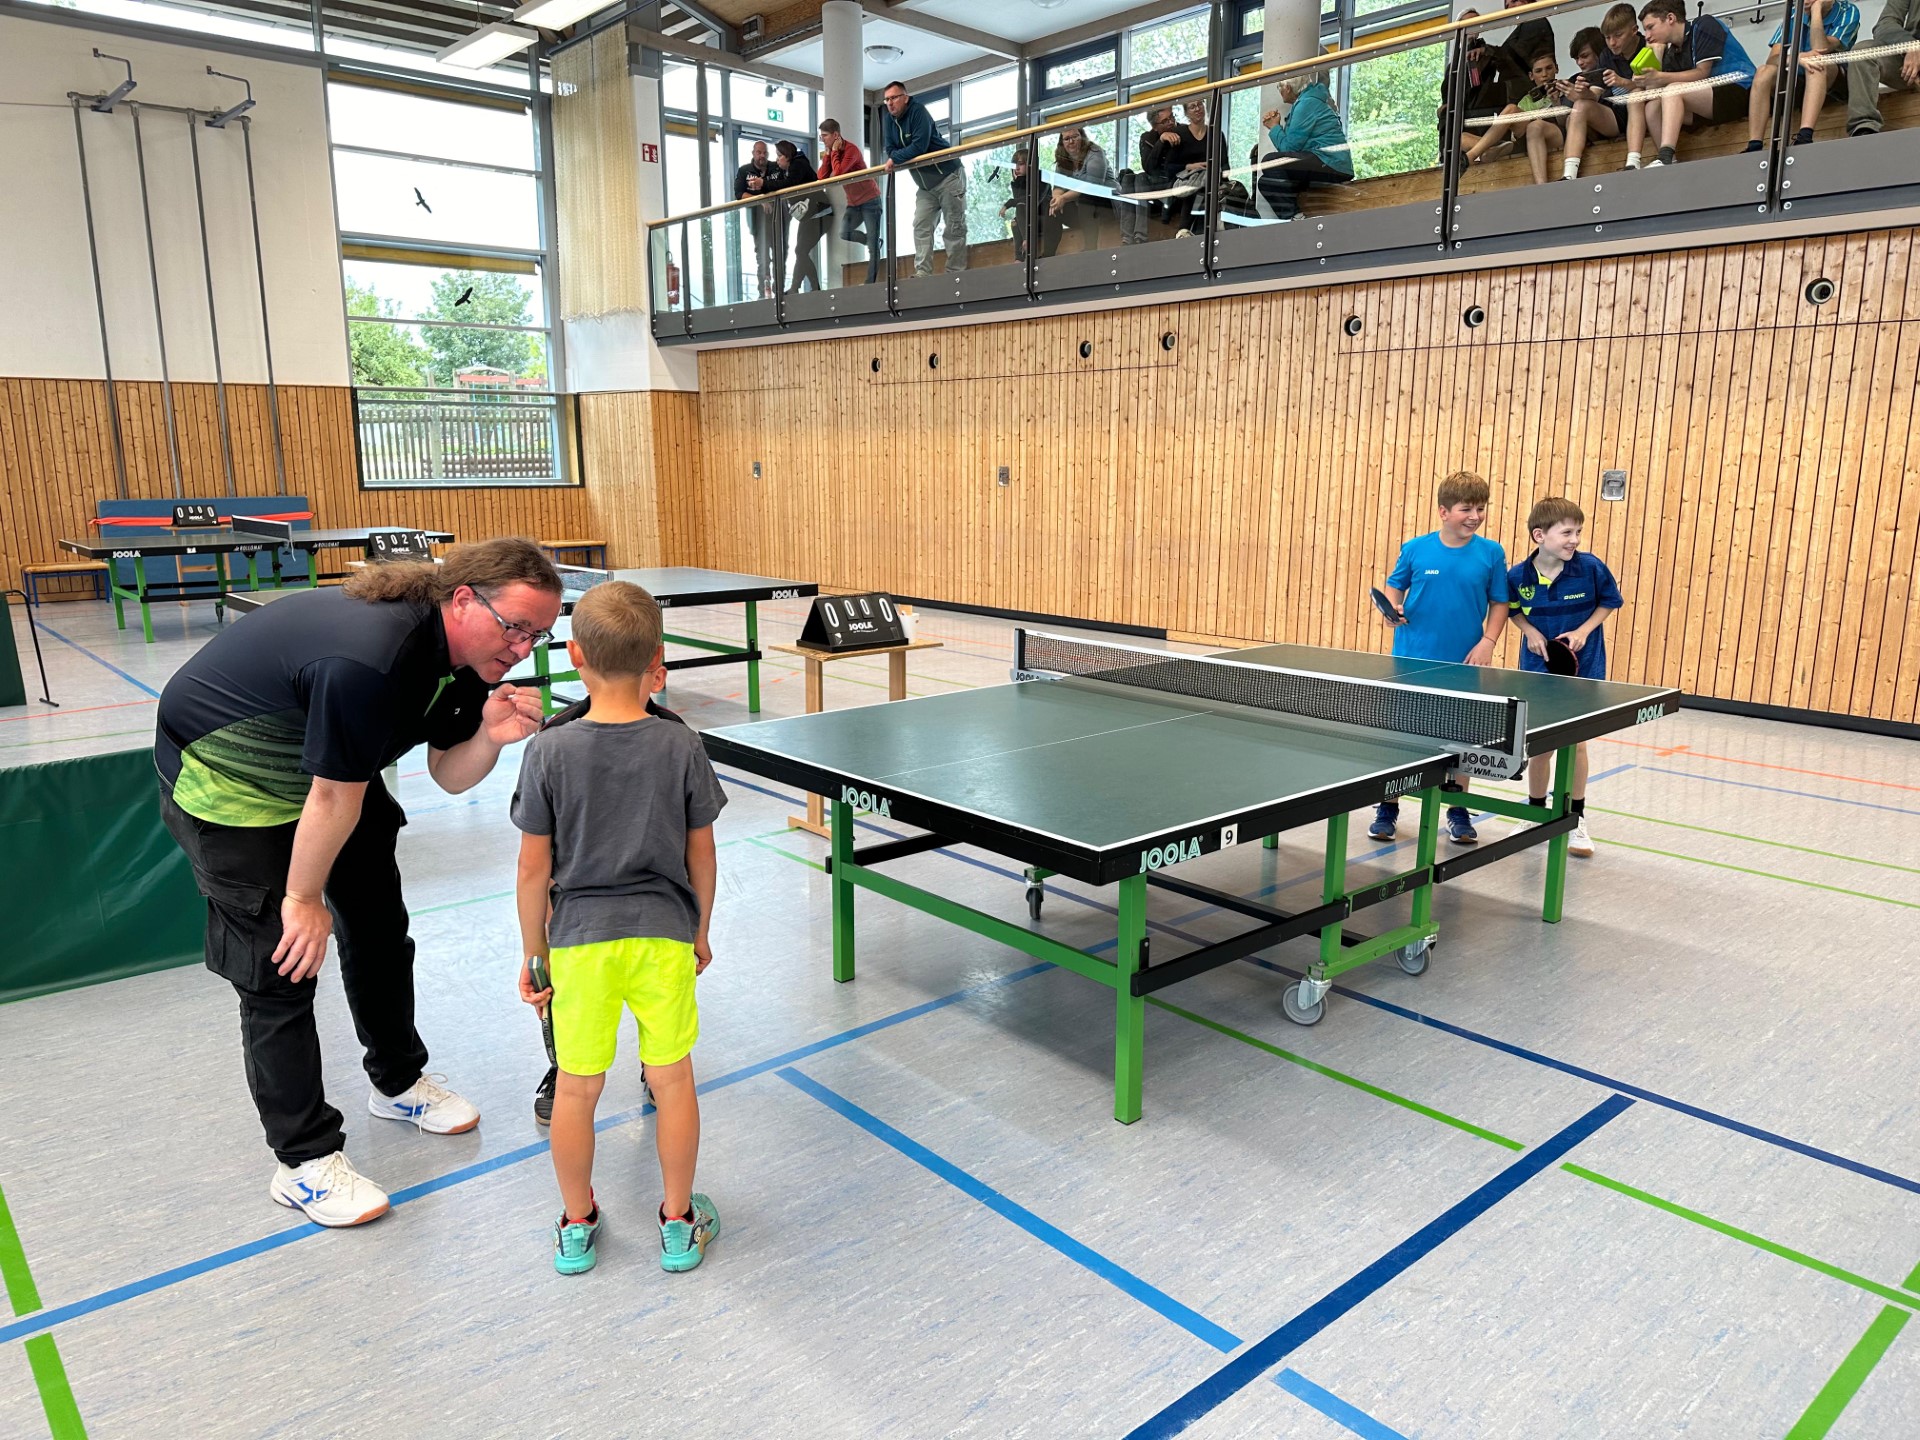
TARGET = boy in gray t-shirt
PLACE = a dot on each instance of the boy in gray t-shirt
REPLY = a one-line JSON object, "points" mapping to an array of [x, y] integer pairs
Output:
{"points": [[615, 888]]}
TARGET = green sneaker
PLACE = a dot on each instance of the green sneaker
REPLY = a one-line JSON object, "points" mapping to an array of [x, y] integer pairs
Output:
{"points": [[573, 1243], [683, 1243]]}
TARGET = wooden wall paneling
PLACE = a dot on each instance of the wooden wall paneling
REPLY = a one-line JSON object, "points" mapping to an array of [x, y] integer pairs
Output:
{"points": [[1811, 544], [1762, 372], [1897, 674], [1882, 441], [1839, 413], [1863, 598]]}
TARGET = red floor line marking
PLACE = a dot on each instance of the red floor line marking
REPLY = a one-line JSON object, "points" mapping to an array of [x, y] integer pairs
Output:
{"points": [[1758, 764], [84, 709]]}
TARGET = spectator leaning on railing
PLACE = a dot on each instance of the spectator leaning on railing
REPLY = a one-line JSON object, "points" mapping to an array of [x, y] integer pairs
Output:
{"points": [[1899, 24], [908, 133], [1078, 156], [752, 180], [862, 220], [814, 212]]}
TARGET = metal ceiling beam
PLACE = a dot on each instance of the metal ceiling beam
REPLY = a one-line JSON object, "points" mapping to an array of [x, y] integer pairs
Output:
{"points": [[898, 12]]}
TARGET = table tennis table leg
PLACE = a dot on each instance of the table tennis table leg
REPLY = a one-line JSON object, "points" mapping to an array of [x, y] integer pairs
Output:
{"points": [[842, 844], [1130, 1011], [1426, 849], [140, 584], [1555, 900], [753, 665]]}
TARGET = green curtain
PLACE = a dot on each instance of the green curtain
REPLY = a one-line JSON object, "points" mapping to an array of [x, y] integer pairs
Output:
{"points": [[96, 889]]}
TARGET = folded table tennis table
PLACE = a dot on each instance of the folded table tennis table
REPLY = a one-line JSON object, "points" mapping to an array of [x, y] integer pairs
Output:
{"points": [[248, 537], [1114, 764]]}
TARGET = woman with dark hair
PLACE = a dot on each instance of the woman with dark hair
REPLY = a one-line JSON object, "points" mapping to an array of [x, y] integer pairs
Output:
{"points": [[814, 211], [1078, 157]]}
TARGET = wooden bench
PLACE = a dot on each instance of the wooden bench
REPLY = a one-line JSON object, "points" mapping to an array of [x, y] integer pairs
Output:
{"points": [[592, 553], [33, 576]]}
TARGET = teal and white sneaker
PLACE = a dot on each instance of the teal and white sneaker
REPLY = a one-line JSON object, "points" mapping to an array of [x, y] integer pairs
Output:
{"points": [[683, 1243], [573, 1243]]}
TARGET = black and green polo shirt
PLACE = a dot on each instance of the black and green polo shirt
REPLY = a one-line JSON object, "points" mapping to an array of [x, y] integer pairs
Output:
{"points": [[315, 684]]}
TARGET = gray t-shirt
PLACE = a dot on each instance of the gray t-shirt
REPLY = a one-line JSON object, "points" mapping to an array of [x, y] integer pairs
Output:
{"points": [[618, 801]]}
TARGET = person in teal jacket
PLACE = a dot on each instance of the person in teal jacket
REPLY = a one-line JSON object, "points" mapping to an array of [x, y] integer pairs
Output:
{"points": [[1312, 144]]}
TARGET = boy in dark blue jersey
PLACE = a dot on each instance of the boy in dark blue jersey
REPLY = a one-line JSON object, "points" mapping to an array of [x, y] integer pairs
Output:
{"points": [[1560, 592], [1451, 585]]}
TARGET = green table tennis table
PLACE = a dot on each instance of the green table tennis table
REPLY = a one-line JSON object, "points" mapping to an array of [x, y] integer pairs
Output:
{"points": [[676, 587], [1114, 764]]}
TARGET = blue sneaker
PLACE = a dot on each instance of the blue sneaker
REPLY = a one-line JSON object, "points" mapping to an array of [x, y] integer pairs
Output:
{"points": [[1460, 826], [573, 1243], [1385, 817], [683, 1243]]}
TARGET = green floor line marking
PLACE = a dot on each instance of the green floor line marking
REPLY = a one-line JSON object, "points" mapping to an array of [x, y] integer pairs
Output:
{"points": [[1845, 1382], [766, 844], [1732, 835], [75, 739], [1770, 875], [21, 1291], [456, 904], [56, 1391], [1758, 1242], [1345, 1079]]}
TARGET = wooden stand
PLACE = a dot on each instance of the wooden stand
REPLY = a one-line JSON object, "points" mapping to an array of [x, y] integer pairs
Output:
{"points": [[817, 661]]}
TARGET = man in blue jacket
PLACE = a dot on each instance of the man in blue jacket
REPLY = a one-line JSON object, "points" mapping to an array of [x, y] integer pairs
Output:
{"points": [[908, 133]]}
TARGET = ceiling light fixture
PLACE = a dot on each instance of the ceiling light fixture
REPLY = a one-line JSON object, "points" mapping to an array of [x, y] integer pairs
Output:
{"points": [[883, 54], [556, 14], [488, 45]]}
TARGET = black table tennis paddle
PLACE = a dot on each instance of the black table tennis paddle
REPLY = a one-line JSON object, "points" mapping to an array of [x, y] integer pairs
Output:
{"points": [[1560, 658], [541, 979], [1388, 610]]}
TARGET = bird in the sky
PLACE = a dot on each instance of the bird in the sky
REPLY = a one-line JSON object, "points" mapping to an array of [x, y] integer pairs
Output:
{"points": [[465, 296], [421, 200]]}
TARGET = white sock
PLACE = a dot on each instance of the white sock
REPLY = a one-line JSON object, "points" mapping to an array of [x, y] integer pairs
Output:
{"points": [[1571, 171], [1633, 160]]}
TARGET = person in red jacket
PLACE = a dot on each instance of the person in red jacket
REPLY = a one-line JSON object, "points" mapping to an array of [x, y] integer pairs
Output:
{"points": [[862, 220]]}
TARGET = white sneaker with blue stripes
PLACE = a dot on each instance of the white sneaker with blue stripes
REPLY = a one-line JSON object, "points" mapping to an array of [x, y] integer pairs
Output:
{"points": [[427, 1104], [329, 1191]]}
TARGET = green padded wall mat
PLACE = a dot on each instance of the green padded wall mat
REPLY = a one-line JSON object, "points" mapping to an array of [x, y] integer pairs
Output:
{"points": [[13, 690], [95, 889]]}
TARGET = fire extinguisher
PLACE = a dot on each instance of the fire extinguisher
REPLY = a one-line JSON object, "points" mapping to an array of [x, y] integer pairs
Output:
{"points": [[673, 285]]}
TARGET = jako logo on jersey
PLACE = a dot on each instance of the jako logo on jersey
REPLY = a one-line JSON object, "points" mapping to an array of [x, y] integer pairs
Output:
{"points": [[865, 800], [1174, 852]]}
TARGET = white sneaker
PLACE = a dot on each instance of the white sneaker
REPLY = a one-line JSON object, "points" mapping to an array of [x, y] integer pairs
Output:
{"points": [[330, 1191], [1578, 841], [431, 1106]]}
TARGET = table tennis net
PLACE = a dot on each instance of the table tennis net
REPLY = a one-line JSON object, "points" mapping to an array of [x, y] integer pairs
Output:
{"points": [[1487, 721]]}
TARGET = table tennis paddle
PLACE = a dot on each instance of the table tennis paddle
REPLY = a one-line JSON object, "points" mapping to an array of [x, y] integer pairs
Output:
{"points": [[1388, 610], [1560, 658], [541, 979]]}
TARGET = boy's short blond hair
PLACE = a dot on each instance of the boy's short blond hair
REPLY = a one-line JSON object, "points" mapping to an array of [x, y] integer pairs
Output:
{"points": [[1463, 487], [1552, 511], [1619, 20], [617, 626]]}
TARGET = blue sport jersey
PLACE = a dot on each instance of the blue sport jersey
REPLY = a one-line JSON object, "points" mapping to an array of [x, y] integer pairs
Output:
{"points": [[1448, 591], [1583, 586]]}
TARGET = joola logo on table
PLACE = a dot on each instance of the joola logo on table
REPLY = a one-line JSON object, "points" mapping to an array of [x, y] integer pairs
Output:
{"points": [[1646, 713], [1174, 852], [866, 800]]}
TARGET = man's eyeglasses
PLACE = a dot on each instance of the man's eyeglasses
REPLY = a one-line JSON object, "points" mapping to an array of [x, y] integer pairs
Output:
{"points": [[516, 634]]}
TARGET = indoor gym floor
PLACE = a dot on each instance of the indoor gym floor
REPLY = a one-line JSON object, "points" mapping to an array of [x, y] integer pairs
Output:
{"points": [[932, 1225]]}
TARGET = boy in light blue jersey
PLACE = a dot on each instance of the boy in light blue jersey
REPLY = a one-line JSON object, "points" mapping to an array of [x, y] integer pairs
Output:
{"points": [[1451, 585]]}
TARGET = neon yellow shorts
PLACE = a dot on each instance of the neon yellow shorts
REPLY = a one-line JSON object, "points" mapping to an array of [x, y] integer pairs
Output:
{"points": [[593, 983]]}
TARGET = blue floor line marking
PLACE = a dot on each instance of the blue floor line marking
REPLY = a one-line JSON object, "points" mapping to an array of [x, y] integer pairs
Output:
{"points": [[43, 1320], [142, 685], [1652, 1097], [1334, 1408], [1152, 1297], [1780, 790], [1251, 1363]]}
